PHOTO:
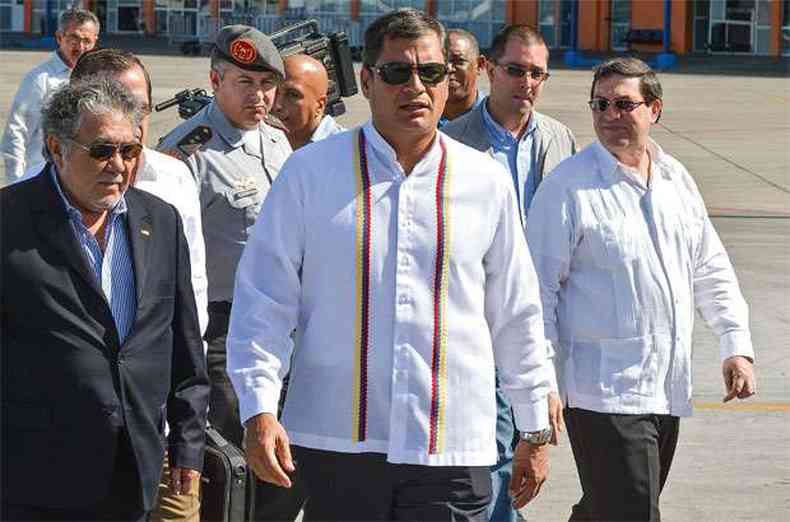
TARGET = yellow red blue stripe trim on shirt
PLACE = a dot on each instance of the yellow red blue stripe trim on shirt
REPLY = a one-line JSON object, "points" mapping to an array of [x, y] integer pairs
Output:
{"points": [[362, 322], [441, 275]]}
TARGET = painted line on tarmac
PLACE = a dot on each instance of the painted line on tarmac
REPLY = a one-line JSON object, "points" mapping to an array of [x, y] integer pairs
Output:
{"points": [[744, 213], [751, 407], [726, 159]]}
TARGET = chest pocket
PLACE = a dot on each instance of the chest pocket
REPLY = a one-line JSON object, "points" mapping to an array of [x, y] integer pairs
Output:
{"points": [[614, 243], [244, 198], [246, 202], [692, 229]]}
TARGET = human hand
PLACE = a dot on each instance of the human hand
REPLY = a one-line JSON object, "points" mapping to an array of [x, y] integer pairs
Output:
{"points": [[556, 418], [739, 380], [183, 479], [268, 450], [530, 471]]}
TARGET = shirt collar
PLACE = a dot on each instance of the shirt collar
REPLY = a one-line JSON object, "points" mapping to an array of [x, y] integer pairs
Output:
{"points": [[499, 135], [234, 136], [386, 154], [73, 212], [145, 171], [325, 128], [444, 121], [58, 62], [611, 168]]}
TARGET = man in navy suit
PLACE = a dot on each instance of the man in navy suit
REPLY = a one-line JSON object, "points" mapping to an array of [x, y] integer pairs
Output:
{"points": [[100, 336]]}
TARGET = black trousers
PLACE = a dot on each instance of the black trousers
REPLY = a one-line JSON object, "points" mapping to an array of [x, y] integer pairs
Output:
{"points": [[122, 502], [355, 487], [623, 462], [272, 503]]}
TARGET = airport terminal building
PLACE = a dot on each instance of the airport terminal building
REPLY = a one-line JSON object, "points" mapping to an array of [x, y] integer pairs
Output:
{"points": [[746, 27]]}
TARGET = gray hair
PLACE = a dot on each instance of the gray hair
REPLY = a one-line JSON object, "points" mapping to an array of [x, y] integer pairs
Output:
{"points": [[630, 67], [77, 16], [406, 23], [63, 114], [466, 35], [218, 62]]}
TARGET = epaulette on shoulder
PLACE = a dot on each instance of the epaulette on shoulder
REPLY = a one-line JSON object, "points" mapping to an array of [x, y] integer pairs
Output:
{"points": [[191, 142]]}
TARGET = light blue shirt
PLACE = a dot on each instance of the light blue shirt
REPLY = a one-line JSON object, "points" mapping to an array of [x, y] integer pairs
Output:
{"points": [[113, 268], [444, 120], [326, 128], [517, 156]]}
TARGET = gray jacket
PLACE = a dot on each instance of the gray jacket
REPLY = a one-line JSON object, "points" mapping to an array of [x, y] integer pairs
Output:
{"points": [[553, 140]]}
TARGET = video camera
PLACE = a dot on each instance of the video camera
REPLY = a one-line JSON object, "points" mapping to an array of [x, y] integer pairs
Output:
{"points": [[331, 50]]}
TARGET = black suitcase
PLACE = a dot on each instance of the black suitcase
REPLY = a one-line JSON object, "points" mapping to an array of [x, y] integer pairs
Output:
{"points": [[228, 484]]}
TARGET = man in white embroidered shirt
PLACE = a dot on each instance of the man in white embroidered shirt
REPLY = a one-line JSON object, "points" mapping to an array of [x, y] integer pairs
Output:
{"points": [[397, 255], [625, 252]]}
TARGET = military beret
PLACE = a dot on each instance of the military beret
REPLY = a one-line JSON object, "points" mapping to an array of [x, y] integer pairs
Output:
{"points": [[248, 48]]}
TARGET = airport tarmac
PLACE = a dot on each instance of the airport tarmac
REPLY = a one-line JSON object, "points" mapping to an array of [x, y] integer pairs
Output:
{"points": [[732, 132]]}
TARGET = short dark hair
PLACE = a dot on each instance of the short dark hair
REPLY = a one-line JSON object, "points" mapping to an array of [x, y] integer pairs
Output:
{"points": [[466, 35], [77, 16], [217, 61], [525, 33], [630, 67], [406, 23], [108, 62]]}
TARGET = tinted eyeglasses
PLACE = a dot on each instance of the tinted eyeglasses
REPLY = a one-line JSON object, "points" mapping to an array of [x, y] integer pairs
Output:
{"points": [[105, 151], [398, 73], [623, 105], [517, 71]]}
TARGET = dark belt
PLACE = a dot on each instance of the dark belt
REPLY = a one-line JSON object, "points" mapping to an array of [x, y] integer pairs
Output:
{"points": [[219, 307]]}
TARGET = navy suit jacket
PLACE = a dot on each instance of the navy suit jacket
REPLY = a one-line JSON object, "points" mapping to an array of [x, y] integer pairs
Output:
{"points": [[68, 385]]}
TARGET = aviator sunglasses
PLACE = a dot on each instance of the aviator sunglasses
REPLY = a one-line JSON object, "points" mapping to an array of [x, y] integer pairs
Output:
{"points": [[624, 105], [105, 151], [398, 73], [517, 71]]}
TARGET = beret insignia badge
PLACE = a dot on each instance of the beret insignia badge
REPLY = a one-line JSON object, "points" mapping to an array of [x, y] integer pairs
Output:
{"points": [[243, 51]]}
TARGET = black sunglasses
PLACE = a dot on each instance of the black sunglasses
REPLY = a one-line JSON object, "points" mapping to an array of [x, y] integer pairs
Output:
{"points": [[517, 71], [398, 73], [105, 151], [623, 105]]}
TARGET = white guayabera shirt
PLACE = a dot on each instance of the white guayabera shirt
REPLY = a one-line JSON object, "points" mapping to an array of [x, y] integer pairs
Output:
{"points": [[622, 267], [405, 293], [23, 140], [170, 180]]}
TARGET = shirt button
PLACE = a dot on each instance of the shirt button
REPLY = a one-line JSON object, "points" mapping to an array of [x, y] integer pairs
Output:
{"points": [[405, 260], [403, 300]]}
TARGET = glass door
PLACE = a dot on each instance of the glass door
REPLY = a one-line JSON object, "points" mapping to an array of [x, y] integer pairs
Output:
{"points": [[621, 23], [555, 22], [785, 27], [701, 25], [484, 19], [732, 26]]}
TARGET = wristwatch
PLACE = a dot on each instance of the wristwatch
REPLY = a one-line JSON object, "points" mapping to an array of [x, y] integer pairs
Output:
{"points": [[537, 438]]}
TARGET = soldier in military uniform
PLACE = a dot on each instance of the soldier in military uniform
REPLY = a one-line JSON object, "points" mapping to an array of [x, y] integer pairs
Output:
{"points": [[234, 153]]}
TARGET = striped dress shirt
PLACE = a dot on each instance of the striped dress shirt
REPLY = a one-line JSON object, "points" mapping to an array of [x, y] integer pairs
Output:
{"points": [[113, 268]]}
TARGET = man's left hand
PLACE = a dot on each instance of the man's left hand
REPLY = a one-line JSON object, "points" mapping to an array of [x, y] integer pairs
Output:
{"points": [[530, 471], [181, 480], [556, 419], [738, 372]]}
